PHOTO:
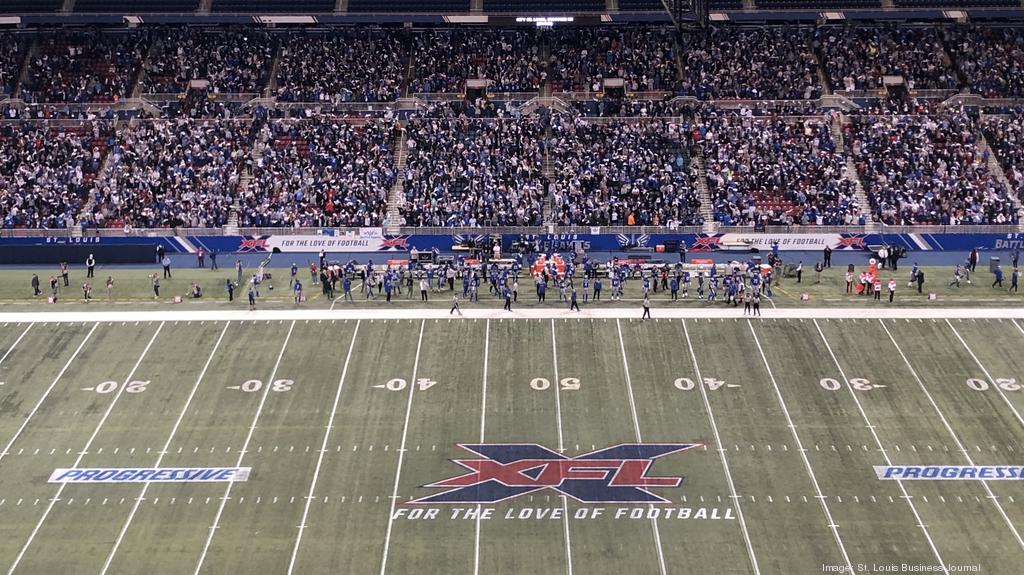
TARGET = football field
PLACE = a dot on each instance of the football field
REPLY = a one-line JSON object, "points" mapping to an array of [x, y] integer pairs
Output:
{"points": [[336, 428]]}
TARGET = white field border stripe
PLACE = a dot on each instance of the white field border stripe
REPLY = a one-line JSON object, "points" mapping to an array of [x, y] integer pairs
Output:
{"points": [[998, 389], [245, 447], [24, 424], [561, 448], [949, 428], [163, 451], [803, 453], [694, 312], [401, 452], [88, 444], [639, 439], [885, 454], [15, 344], [323, 450], [483, 422], [721, 453]]}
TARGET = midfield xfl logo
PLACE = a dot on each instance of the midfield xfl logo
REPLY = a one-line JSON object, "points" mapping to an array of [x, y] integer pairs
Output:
{"points": [[616, 474]]}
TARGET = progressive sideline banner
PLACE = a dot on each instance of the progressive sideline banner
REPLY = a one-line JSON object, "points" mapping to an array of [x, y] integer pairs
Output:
{"points": [[150, 475]]}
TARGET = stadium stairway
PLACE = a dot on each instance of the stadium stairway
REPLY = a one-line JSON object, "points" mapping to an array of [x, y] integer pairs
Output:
{"points": [[397, 195], [275, 66], [548, 171], [155, 45], [701, 182], [68, 6], [30, 55], [996, 169], [838, 121]]}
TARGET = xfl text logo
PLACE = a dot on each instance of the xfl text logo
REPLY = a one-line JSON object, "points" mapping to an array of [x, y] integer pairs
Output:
{"points": [[616, 474]]}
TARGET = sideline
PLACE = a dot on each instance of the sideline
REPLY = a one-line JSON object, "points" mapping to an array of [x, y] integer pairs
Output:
{"points": [[525, 313]]}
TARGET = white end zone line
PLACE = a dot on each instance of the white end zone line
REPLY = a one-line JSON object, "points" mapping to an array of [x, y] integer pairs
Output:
{"points": [[803, 453], [639, 439], [81, 454], [186, 314], [721, 453], [991, 381], [160, 458], [561, 448], [245, 448], [952, 433], [401, 452], [323, 449], [15, 344], [483, 422], [881, 448], [24, 424]]}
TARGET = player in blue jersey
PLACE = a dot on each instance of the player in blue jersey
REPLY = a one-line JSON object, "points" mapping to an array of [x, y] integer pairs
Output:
{"points": [[686, 284]]}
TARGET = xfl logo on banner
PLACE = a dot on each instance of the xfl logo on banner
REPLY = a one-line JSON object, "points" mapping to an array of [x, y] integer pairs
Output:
{"points": [[617, 474]]}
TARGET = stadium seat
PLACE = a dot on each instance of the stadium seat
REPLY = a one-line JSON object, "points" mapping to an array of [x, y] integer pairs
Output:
{"points": [[641, 5], [408, 6], [544, 6], [134, 6], [956, 3], [725, 4], [29, 6], [290, 6], [818, 4]]}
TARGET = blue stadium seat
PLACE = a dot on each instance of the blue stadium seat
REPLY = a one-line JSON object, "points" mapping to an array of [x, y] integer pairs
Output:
{"points": [[818, 4], [956, 3], [289, 6], [29, 6], [641, 5], [544, 6], [136, 6], [725, 4], [408, 5]]}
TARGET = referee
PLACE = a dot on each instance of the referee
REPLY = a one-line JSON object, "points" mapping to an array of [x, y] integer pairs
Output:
{"points": [[455, 305], [647, 308]]}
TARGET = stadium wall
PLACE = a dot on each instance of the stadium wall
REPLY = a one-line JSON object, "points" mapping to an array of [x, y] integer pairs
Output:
{"points": [[375, 241]]}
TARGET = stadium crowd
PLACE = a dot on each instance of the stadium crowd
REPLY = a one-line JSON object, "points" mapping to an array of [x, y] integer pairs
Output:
{"points": [[320, 172], [310, 159], [230, 60], [860, 58], [444, 59], [622, 173], [46, 170], [763, 63], [775, 171], [350, 65], [469, 172], [927, 169]]}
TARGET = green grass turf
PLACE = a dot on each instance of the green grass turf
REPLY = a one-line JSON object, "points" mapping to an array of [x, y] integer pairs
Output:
{"points": [[627, 393], [133, 291]]}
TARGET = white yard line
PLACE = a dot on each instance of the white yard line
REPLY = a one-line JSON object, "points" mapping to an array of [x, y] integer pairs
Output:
{"points": [[323, 450], [163, 451], [401, 452], [998, 389], [245, 448], [15, 344], [483, 422], [639, 439], [949, 428], [85, 450], [31, 414], [561, 448], [713, 312], [803, 452], [1017, 325], [721, 453], [881, 447]]}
